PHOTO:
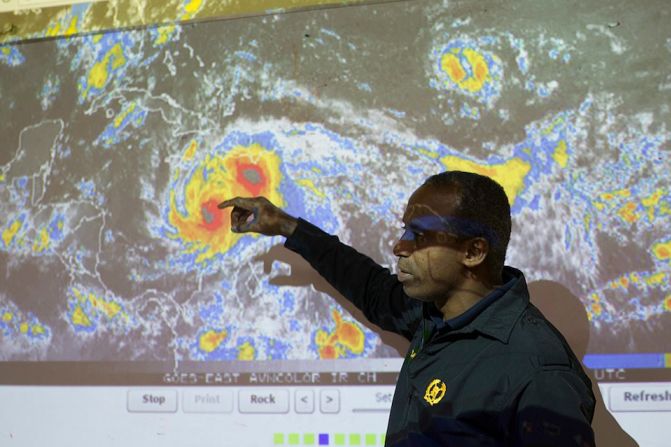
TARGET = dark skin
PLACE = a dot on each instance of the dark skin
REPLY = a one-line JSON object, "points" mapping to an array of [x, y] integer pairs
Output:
{"points": [[434, 264], [438, 265]]}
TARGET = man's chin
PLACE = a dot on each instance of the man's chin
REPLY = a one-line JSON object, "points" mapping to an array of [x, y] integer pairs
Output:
{"points": [[414, 292]]}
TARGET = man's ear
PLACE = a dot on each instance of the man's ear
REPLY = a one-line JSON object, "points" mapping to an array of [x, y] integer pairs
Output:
{"points": [[475, 252]]}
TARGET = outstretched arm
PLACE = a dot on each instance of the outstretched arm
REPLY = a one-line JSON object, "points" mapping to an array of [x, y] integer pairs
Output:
{"points": [[371, 287]]}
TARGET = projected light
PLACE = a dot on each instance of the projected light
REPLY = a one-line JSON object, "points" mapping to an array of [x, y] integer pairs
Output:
{"points": [[126, 297], [17, 5]]}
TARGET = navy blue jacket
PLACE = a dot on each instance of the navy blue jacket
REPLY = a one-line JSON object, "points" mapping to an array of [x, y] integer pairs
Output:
{"points": [[501, 375]]}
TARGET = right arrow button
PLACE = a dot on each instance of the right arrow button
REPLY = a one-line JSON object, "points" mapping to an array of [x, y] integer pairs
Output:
{"points": [[329, 400]]}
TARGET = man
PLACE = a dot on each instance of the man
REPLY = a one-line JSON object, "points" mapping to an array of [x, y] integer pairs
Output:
{"points": [[484, 367]]}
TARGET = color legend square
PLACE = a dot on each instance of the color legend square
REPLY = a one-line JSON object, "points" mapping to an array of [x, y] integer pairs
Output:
{"points": [[329, 439]]}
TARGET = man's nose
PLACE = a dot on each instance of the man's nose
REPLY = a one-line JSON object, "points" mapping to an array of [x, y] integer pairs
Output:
{"points": [[403, 248]]}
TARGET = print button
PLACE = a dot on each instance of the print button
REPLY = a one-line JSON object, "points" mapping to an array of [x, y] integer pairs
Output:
{"points": [[207, 401]]}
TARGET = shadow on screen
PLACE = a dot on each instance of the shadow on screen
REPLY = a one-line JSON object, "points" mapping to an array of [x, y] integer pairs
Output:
{"points": [[567, 313], [303, 275]]}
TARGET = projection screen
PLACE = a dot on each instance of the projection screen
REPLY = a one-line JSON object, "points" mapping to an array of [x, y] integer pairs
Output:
{"points": [[131, 315]]}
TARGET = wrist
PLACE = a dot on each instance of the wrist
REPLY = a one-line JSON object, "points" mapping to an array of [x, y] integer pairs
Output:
{"points": [[288, 226]]}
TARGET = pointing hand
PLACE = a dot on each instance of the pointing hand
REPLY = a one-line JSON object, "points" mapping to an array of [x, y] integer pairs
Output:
{"points": [[259, 215]]}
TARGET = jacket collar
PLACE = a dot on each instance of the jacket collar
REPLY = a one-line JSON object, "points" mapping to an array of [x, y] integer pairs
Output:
{"points": [[497, 319]]}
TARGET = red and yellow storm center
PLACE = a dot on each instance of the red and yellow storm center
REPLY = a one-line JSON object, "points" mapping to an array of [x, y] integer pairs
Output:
{"points": [[456, 64], [345, 337], [245, 171]]}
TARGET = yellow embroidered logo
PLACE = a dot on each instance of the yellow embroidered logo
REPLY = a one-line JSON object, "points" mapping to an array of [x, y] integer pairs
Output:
{"points": [[435, 391], [413, 354]]}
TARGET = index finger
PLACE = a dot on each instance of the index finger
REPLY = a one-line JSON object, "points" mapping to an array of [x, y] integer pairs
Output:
{"points": [[236, 202]]}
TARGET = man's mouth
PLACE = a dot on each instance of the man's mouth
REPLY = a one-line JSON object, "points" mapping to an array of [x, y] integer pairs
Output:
{"points": [[404, 275]]}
